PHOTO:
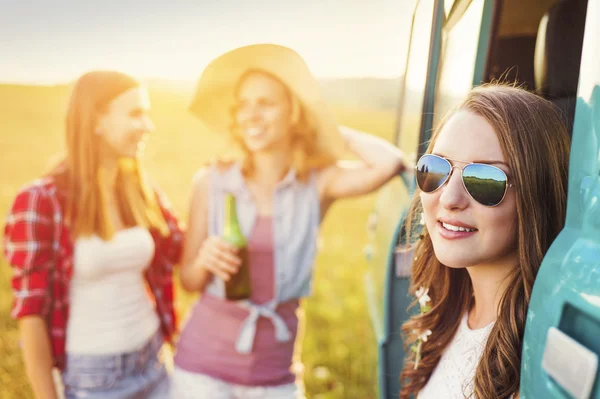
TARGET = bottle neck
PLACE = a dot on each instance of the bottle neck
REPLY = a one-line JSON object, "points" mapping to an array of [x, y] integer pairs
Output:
{"points": [[231, 220]]}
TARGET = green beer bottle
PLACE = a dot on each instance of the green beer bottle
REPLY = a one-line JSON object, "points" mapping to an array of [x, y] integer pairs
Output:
{"points": [[238, 287]]}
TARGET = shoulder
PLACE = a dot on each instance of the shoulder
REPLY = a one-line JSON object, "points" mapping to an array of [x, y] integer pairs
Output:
{"points": [[201, 186], [201, 179], [223, 165], [42, 186], [226, 173], [32, 216], [36, 196]]}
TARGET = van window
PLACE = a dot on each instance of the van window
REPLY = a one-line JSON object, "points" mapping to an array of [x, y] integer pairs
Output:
{"points": [[457, 60], [411, 104], [589, 75]]}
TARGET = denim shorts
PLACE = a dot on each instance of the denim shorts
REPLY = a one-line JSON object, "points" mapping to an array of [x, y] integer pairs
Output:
{"points": [[136, 375]]}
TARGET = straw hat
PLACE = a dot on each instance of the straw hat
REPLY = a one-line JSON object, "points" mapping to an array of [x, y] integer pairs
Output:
{"points": [[214, 96]]}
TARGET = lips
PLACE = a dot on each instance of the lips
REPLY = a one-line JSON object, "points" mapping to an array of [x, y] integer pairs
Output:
{"points": [[254, 131], [454, 229]]}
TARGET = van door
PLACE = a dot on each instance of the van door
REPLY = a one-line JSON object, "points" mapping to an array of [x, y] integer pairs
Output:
{"points": [[386, 291], [562, 336]]}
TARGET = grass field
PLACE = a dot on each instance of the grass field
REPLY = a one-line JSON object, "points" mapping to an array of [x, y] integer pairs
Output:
{"points": [[338, 346]]}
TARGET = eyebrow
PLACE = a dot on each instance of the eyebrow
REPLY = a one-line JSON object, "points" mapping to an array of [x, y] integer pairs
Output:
{"points": [[241, 99], [475, 161], [139, 110]]}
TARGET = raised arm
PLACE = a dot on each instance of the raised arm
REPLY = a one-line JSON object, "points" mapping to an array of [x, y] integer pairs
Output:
{"points": [[379, 162]]}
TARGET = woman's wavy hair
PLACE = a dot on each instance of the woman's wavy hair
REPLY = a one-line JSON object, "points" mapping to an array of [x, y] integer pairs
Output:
{"points": [[80, 173], [306, 154], [535, 142]]}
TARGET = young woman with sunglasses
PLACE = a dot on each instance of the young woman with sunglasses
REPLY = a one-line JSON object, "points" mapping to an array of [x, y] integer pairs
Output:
{"points": [[491, 199]]}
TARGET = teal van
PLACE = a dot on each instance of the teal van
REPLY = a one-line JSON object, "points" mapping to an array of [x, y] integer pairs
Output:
{"points": [[553, 47]]}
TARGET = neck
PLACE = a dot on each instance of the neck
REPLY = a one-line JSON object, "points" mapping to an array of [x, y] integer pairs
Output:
{"points": [[489, 283], [270, 168]]}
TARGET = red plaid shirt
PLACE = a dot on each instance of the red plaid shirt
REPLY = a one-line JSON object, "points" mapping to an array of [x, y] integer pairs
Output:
{"points": [[38, 245]]}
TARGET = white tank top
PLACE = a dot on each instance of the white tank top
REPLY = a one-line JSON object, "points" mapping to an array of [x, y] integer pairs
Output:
{"points": [[453, 376], [110, 310]]}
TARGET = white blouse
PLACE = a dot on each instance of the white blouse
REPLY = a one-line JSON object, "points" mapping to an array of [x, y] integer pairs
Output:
{"points": [[454, 374]]}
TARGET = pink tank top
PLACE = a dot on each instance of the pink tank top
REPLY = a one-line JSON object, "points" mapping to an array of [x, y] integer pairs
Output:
{"points": [[207, 342]]}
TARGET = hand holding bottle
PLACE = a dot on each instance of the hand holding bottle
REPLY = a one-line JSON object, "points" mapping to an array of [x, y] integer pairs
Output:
{"points": [[239, 286], [219, 257]]}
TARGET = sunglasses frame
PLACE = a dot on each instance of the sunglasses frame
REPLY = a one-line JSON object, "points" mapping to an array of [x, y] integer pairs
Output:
{"points": [[508, 185]]}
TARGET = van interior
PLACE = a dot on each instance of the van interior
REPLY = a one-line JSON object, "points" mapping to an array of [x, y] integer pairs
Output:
{"points": [[538, 44]]}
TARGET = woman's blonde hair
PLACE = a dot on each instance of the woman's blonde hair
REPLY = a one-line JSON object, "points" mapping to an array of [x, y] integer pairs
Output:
{"points": [[80, 174], [535, 143], [306, 155]]}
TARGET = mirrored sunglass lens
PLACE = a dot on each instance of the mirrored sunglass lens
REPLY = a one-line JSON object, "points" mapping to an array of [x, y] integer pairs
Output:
{"points": [[432, 171], [485, 183]]}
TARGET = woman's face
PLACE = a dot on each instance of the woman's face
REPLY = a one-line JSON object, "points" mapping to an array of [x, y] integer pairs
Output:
{"points": [[469, 137], [125, 124], [263, 113]]}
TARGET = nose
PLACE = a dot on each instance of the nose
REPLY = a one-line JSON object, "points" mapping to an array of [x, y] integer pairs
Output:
{"points": [[454, 196], [250, 113], [148, 124]]}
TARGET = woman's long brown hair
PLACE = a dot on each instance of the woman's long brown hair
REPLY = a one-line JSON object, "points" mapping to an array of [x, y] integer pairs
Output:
{"points": [[80, 173], [535, 143]]}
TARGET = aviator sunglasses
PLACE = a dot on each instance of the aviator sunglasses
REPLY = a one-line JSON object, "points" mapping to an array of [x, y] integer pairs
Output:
{"points": [[486, 184]]}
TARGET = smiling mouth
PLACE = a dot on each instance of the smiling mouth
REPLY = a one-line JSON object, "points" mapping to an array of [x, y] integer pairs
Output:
{"points": [[451, 227], [453, 232], [254, 131]]}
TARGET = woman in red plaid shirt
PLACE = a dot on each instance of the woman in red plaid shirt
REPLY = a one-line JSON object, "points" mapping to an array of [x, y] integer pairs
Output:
{"points": [[92, 246]]}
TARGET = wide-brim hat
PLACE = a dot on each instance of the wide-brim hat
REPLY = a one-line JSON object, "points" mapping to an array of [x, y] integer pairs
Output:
{"points": [[215, 95]]}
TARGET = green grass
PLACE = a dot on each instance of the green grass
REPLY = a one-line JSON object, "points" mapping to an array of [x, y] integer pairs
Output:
{"points": [[338, 345]]}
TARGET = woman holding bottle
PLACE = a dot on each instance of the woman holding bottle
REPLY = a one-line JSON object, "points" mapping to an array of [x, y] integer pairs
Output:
{"points": [[265, 97]]}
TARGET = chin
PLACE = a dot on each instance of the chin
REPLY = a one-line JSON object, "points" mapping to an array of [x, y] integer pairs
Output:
{"points": [[454, 264], [260, 147], [457, 259]]}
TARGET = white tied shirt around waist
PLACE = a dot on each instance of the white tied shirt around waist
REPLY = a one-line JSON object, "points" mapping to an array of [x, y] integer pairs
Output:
{"points": [[248, 330]]}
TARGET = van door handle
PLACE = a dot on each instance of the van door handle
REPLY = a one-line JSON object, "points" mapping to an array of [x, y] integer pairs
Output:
{"points": [[570, 364]]}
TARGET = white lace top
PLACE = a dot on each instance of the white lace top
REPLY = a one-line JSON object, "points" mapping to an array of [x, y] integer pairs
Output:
{"points": [[453, 376]]}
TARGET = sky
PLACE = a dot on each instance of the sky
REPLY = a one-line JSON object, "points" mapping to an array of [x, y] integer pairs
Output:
{"points": [[50, 42]]}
